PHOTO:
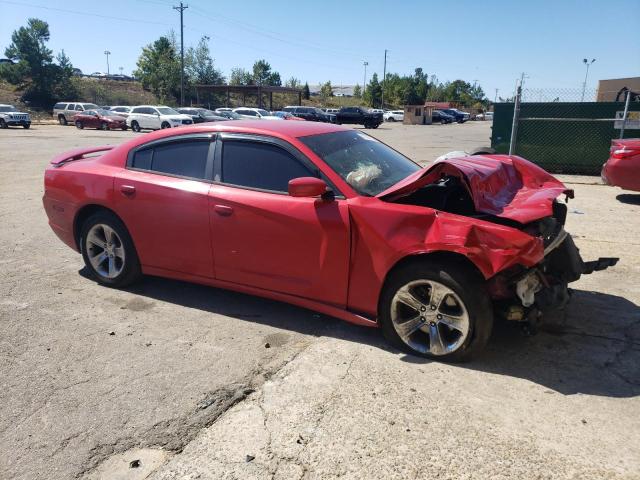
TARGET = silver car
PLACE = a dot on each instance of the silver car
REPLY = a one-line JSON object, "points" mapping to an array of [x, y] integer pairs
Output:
{"points": [[65, 112]]}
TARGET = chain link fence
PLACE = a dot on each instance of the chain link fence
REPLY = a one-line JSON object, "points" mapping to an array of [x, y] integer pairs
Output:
{"points": [[555, 129]]}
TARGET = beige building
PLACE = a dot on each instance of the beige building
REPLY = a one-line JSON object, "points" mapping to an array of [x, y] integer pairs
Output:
{"points": [[614, 90], [417, 115]]}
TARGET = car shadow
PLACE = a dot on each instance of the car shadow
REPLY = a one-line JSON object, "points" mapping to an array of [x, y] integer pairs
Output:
{"points": [[594, 348], [629, 198]]}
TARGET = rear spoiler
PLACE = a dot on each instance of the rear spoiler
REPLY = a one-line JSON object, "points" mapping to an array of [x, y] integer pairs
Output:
{"points": [[77, 154]]}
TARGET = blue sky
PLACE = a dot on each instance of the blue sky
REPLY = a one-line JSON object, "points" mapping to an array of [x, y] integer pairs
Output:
{"points": [[489, 41]]}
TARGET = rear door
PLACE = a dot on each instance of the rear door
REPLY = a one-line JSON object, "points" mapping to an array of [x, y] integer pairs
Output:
{"points": [[264, 238], [162, 197]]}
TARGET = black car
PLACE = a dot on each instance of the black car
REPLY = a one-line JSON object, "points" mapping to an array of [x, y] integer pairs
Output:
{"points": [[359, 116], [460, 117], [311, 114], [440, 116], [201, 115]]}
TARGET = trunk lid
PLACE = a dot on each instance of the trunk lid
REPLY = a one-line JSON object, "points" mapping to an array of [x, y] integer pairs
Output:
{"points": [[501, 185]]}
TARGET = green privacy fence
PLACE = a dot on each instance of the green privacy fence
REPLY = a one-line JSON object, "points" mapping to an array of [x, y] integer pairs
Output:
{"points": [[562, 137]]}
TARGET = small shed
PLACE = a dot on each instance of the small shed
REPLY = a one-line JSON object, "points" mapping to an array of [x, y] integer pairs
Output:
{"points": [[417, 115]]}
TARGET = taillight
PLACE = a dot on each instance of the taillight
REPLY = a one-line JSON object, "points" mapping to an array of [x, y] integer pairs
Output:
{"points": [[625, 153]]}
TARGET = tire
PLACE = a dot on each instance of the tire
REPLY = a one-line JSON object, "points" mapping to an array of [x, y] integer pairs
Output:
{"points": [[104, 126], [26, 126], [375, 125], [464, 302], [124, 128], [114, 266], [165, 125], [79, 124], [135, 126], [3, 124], [391, 119], [62, 120]]}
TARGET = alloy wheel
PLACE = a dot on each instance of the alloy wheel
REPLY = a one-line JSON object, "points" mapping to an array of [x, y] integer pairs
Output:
{"points": [[430, 317], [105, 251]]}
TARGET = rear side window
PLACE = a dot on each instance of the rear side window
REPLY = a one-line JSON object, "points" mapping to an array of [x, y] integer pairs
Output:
{"points": [[260, 165], [137, 110], [184, 159], [59, 106], [71, 106]]}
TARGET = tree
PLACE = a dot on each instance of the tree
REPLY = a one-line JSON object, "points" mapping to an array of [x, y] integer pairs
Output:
{"points": [[199, 66], [373, 92], [326, 90], [263, 75], [240, 76], [293, 82], [305, 91], [34, 69], [159, 68], [357, 91]]}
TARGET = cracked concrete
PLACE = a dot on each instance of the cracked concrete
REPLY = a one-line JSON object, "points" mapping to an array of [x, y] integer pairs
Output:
{"points": [[186, 383]]}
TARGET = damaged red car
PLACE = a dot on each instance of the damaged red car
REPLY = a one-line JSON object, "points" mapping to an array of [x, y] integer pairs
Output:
{"points": [[327, 218]]}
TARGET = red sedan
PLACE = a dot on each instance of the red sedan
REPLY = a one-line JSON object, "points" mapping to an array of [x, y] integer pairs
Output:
{"points": [[102, 119], [623, 167], [326, 218]]}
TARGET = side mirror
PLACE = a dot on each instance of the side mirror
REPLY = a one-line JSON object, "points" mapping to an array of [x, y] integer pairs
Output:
{"points": [[307, 187]]}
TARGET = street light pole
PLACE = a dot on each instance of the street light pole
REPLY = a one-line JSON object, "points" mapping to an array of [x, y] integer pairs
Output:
{"points": [[384, 77], [181, 9], [364, 82], [584, 85], [107, 53]]}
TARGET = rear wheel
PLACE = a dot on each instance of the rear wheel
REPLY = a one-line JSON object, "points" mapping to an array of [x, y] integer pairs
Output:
{"points": [[79, 124], [436, 309], [135, 126], [62, 120], [108, 251], [391, 119]]}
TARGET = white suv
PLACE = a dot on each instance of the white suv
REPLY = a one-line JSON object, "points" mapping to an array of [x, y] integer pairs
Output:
{"points": [[155, 117], [255, 113], [394, 116], [10, 116]]}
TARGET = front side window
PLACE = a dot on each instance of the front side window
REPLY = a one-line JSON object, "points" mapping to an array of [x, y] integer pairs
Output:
{"points": [[79, 108], [71, 106], [366, 164], [183, 158], [260, 165]]}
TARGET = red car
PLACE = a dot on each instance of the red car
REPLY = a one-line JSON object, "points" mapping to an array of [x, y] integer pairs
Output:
{"points": [[326, 218], [102, 119], [623, 167]]}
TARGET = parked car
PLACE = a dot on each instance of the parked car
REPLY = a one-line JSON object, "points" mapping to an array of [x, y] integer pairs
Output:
{"points": [[201, 115], [11, 117], [331, 111], [359, 116], [288, 116], [255, 113], [276, 210], [100, 118], [311, 114], [459, 116], [622, 169], [229, 115], [394, 116], [150, 117], [440, 116], [484, 116], [223, 109], [65, 112], [121, 110]]}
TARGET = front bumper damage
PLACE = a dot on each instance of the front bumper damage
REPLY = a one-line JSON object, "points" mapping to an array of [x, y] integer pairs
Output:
{"points": [[526, 295]]}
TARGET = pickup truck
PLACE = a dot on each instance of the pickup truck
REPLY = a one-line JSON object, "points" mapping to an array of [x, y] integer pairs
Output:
{"points": [[359, 116]]}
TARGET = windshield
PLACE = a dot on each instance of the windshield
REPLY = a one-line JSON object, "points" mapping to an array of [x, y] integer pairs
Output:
{"points": [[366, 164], [167, 111], [8, 108], [90, 106], [232, 115]]}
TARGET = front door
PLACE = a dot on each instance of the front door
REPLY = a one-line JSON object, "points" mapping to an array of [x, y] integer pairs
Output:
{"points": [[162, 197], [265, 238]]}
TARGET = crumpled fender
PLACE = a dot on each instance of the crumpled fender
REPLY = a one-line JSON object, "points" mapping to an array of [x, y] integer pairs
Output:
{"points": [[385, 233], [501, 185]]}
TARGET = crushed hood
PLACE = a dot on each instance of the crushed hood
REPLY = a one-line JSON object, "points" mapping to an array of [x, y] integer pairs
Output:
{"points": [[501, 185]]}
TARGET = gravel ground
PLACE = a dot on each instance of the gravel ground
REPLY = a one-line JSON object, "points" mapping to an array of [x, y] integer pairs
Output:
{"points": [[178, 376]]}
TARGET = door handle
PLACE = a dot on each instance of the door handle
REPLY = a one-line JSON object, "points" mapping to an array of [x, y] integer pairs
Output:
{"points": [[127, 189], [223, 210]]}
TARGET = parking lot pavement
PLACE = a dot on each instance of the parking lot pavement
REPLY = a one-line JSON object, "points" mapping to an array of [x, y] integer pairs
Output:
{"points": [[179, 376]]}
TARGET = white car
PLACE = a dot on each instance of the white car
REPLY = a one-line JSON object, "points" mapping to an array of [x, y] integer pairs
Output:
{"points": [[155, 117], [485, 116], [393, 116], [255, 113], [331, 111]]}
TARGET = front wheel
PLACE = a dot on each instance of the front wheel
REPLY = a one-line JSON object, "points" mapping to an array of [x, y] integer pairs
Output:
{"points": [[108, 251], [436, 309], [135, 126], [104, 126], [3, 124], [26, 126], [165, 125]]}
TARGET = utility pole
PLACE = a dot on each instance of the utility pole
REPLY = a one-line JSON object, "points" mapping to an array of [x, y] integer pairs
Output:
{"points": [[181, 9], [364, 82], [584, 85], [384, 77], [107, 53], [496, 96]]}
